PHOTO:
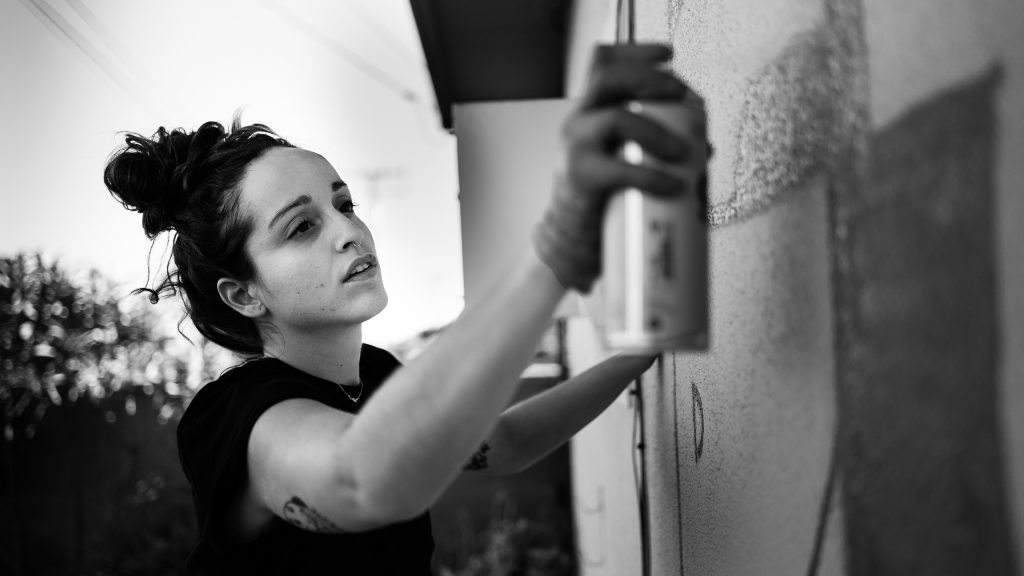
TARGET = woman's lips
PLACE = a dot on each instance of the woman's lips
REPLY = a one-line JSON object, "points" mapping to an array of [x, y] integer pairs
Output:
{"points": [[360, 263], [366, 274]]}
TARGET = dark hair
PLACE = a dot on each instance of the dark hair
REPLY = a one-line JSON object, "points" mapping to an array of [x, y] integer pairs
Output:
{"points": [[188, 183]]}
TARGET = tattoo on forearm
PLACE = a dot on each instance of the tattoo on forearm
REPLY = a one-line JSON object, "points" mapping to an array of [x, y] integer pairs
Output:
{"points": [[302, 515], [479, 459]]}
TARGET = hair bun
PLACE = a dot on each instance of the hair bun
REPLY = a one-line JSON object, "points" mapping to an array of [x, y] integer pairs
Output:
{"points": [[155, 176]]}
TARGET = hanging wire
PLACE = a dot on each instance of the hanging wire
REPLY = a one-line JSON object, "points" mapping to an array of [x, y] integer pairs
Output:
{"points": [[631, 22], [398, 46], [825, 509], [625, 33], [640, 476], [369, 69], [421, 107], [107, 36], [66, 32], [675, 433], [625, 22]]}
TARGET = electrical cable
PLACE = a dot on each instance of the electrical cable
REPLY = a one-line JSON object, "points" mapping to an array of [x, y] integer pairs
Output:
{"points": [[397, 44], [825, 509], [675, 433], [372, 71], [639, 448], [123, 54], [369, 69], [65, 31], [640, 475], [631, 22]]}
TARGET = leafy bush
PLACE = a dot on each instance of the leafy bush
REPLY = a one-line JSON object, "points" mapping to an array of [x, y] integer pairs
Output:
{"points": [[64, 338], [518, 547]]}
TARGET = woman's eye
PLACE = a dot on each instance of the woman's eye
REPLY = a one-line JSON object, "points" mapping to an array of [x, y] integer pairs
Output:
{"points": [[347, 206], [302, 228]]}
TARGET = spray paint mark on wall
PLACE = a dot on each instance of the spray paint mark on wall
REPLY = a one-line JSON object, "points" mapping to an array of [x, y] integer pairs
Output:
{"points": [[698, 422], [799, 113], [797, 116], [920, 450]]}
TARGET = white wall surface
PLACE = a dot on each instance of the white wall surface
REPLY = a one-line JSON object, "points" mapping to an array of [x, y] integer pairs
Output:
{"points": [[508, 155]]}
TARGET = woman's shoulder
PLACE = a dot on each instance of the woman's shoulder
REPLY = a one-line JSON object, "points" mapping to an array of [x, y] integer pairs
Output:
{"points": [[248, 387]]}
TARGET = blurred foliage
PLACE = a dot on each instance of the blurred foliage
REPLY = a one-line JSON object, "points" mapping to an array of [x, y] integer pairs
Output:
{"points": [[68, 338], [65, 338], [514, 544], [518, 547]]}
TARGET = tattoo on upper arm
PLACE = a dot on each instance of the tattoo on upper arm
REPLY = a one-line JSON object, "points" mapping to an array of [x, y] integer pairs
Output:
{"points": [[479, 459], [304, 516]]}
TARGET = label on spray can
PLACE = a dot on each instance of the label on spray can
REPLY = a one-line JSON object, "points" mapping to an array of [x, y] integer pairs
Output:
{"points": [[655, 250]]}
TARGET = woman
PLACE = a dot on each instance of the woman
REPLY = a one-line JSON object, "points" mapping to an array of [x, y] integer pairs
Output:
{"points": [[322, 454]]}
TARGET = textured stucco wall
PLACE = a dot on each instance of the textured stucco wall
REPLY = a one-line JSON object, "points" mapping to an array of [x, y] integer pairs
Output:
{"points": [[860, 409]]}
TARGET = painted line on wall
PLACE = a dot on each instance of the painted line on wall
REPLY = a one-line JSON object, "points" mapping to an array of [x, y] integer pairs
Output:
{"points": [[679, 480], [698, 416]]}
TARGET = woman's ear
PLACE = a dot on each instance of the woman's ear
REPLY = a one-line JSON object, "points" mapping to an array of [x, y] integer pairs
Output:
{"points": [[240, 298]]}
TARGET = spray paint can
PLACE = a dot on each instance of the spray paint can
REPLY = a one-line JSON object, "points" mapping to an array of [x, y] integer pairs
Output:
{"points": [[655, 250]]}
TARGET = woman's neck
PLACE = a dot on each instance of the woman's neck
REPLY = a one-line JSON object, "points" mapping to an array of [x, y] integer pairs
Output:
{"points": [[333, 356]]}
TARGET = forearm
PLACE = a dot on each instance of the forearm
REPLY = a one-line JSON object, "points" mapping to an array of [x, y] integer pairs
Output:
{"points": [[421, 427], [534, 427]]}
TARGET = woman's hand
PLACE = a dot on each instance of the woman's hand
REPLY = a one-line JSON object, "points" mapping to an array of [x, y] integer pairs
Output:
{"points": [[534, 427], [568, 239]]}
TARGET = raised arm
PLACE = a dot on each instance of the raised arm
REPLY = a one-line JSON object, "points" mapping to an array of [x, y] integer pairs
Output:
{"points": [[531, 429], [409, 442]]}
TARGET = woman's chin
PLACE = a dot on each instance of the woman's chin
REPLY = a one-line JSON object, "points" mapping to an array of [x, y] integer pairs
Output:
{"points": [[379, 303], [380, 309]]}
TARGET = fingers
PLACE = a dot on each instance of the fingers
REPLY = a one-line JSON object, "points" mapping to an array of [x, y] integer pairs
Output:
{"points": [[603, 123], [624, 83], [649, 53], [595, 173], [609, 129], [622, 73]]}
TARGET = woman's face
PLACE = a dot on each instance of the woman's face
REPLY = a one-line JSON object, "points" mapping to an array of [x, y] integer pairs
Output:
{"points": [[304, 242]]}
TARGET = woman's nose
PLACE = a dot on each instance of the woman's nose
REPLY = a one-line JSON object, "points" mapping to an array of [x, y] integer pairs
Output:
{"points": [[347, 234]]}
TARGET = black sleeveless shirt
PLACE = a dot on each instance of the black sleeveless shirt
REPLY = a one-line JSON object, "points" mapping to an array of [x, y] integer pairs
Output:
{"points": [[213, 438]]}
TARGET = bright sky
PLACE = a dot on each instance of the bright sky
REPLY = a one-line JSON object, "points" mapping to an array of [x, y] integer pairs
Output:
{"points": [[345, 79]]}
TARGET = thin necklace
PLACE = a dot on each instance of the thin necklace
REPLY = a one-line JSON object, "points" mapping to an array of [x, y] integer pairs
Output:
{"points": [[358, 394]]}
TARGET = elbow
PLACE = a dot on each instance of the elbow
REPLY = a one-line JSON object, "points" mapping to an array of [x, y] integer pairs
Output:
{"points": [[508, 456]]}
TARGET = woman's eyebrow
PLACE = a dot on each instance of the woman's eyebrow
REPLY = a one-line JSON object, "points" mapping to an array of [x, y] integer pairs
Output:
{"points": [[337, 185], [301, 200]]}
